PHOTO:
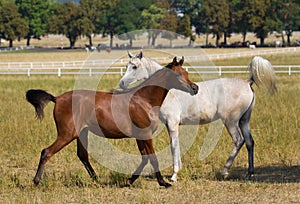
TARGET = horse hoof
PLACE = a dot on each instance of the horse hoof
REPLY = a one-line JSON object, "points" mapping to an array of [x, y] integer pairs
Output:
{"points": [[249, 176], [173, 179], [225, 175], [36, 182], [167, 185], [129, 182]]}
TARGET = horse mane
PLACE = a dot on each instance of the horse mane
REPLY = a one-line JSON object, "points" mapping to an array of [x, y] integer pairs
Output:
{"points": [[157, 75], [151, 65]]}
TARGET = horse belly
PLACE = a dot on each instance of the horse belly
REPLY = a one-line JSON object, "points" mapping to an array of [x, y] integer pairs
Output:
{"points": [[196, 117], [107, 132], [200, 110]]}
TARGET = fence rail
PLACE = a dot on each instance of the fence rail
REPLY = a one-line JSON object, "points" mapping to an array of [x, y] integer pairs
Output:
{"points": [[110, 66], [98, 70]]}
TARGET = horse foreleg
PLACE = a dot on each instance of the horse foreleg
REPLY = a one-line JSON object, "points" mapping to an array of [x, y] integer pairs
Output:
{"points": [[139, 170], [238, 140], [82, 144], [175, 149], [160, 180], [59, 143], [147, 151]]}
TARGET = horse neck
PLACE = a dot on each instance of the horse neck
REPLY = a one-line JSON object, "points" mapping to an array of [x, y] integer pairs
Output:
{"points": [[151, 65], [154, 88]]}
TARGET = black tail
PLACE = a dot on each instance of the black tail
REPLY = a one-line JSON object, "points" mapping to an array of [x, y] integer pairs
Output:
{"points": [[39, 99]]}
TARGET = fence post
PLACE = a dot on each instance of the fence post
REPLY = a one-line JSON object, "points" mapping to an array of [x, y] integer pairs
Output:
{"points": [[59, 72], [121, 71], [90, 71], [220, 71], [28, 72], [290, 70]]}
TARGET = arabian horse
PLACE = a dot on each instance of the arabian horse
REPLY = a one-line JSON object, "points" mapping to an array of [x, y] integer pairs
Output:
{"points": [[228, 99], [123, 114]]}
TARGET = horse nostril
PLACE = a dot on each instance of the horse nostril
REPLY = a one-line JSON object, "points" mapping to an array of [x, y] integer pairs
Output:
{"points": [[122, 84], [195, 88]]}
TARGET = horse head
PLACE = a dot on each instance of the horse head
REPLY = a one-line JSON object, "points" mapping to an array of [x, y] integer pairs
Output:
{"points": [[181, 75], [136, 69]]}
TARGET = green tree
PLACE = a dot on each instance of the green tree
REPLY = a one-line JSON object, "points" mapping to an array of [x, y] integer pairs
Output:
{"points": [[190, 11], [35, 12], [184, 27], [65, 19], [288, 18], [241, 16], [169, 23], [89, 16], [122, 17], [152, 18], [260, 15], [217, 16], [12, 25]]}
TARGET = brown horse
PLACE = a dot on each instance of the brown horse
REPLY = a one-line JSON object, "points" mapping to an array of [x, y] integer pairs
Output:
{"points": [[130, 113]]}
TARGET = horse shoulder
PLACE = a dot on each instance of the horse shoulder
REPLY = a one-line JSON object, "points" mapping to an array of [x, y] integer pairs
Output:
{"points": [[171, 108]]}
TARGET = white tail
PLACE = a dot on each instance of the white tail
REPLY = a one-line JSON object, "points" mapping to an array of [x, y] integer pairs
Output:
{"points": [[262, 74]]}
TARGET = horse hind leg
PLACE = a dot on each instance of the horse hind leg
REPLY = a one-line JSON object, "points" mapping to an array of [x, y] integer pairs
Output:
{"points": [[238, 140], [244, 125], [47, 153], [82, 144]]}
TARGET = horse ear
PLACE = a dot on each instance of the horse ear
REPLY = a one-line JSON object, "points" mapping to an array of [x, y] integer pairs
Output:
{"points": [[140, 55], [181, 61], [129, 54], [174, 60]]}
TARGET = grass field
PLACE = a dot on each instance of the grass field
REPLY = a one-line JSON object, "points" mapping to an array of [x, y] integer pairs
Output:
{"points": [[275, 129]]}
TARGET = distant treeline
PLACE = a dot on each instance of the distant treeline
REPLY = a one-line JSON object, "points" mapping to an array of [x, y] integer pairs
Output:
{"points": [[33, 19]]}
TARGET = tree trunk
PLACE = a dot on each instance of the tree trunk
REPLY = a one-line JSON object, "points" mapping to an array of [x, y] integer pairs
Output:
{"points": [[289, 39], [244, 36], [262, 41], [153, 39], [10, 43], [225, 38], [149, 39], [111, 40], [90, 40], [217, 40], [130, 42], [72, 43], [28, 41], [283, 40]]}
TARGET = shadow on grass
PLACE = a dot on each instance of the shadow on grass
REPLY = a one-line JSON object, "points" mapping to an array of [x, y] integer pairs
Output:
{"points": [[269, 174]]}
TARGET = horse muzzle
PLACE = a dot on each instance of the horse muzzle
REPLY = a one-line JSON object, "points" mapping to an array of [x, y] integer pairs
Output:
{"points": [[194, 89]]}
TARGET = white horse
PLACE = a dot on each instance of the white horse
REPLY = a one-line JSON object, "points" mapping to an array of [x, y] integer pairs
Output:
{"points": [[228, 99]]}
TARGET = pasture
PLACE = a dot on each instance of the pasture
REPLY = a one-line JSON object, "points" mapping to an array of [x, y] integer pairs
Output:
{"points": [[275, 129]]}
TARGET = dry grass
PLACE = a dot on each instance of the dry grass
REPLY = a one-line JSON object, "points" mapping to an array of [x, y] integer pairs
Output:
{"points": [[275, 128]]}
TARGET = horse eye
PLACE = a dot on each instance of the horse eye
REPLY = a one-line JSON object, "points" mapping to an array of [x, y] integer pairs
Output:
{"points": [[134, 67]]}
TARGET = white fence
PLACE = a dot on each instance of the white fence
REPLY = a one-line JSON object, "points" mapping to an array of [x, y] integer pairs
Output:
{"points": [[110, 66], [94, 69]]}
